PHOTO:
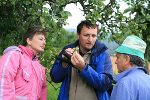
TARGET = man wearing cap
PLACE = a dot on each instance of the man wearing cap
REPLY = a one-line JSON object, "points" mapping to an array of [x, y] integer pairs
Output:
{"points": [[133, 82]]}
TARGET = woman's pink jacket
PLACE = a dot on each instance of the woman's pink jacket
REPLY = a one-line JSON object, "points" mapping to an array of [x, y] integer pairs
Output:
{"points": [[22, 77]]}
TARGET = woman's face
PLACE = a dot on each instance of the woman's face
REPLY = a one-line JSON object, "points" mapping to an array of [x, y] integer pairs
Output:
{"points": [[37, 43]]}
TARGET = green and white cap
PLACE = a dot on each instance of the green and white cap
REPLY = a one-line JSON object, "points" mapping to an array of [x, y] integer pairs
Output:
{"points": [[132, 45]]}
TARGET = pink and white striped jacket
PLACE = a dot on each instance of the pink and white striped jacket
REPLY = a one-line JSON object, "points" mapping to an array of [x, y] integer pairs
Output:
{"points": [[22, 77]]}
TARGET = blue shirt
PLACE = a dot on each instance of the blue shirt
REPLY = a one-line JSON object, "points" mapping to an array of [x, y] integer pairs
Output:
{"points": [[132, 84]]}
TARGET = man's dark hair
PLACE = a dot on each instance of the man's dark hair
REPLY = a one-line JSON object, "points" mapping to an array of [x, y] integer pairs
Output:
{"points": [[86, 23], [136, 60], [32, 30]]}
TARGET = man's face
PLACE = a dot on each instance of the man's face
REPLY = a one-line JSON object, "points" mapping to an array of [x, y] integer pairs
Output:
{"points": [[87, 38], [37, 43], [122, 62]]}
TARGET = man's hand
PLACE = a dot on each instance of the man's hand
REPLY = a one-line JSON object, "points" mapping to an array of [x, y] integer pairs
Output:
{"points": [[67, 57], [70, 51], [78, 61]]}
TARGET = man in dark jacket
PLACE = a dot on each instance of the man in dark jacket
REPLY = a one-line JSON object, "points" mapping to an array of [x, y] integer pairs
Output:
{"points": [[83, 67]]}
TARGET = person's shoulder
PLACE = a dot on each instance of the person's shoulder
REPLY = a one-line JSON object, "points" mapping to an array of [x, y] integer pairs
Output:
{"points": [[99, 47], [129, 78], [100, 44], [11, 52], [11, 48]]}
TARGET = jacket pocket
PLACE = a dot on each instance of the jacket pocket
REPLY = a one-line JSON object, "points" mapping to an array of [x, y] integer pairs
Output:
{"points": [[26, 75], [21, 98]]}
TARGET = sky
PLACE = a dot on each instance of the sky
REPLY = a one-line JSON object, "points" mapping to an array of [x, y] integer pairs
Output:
{"points": [[77, 14]]}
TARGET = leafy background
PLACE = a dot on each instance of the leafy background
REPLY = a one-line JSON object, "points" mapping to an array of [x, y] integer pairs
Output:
{"points": [[17, 15]]}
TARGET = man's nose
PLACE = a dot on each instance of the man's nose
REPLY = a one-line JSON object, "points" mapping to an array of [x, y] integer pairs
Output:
{"points": [[90, 38]]}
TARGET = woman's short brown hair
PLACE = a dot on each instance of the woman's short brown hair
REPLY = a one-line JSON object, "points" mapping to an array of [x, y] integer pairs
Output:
{"points": [[32, 30]]}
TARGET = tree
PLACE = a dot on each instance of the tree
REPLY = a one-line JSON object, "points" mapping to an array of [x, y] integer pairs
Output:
{"points": [[17, 15], [133, 20], [142, 20]]}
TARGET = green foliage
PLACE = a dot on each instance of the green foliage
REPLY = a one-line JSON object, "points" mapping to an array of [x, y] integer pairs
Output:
{"points": [[17, 15], [54, 46], [133, 20], [140, 23], [53, 88]]}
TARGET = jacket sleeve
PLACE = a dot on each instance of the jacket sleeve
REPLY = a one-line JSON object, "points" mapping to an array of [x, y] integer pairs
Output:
{"points": [[44, 89], [58, 72], [9, 64], [94, 75]]}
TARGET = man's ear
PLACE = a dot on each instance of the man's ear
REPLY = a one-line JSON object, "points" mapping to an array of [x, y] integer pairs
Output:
{"points": [[127, 58]]}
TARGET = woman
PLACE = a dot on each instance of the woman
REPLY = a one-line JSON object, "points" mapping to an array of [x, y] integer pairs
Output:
{"points": [[22, 77]]}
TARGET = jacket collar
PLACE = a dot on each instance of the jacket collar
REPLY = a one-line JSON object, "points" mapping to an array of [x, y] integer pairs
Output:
{"points": [[97, 48], [128, 71], [29, 52]]}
